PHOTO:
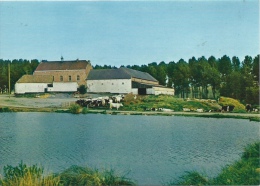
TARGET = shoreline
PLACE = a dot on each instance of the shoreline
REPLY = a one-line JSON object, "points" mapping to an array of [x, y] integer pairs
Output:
{"points": [[61, 104], [250, 116]]}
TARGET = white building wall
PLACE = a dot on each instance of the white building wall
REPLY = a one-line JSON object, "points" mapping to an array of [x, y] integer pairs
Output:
{"points": [[63, 87], [112, 85], [21, 88], [150, 91], [134, 91], [162, 90]]}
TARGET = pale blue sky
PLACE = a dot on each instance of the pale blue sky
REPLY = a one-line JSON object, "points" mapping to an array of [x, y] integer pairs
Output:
{"points": [[127, 33]]}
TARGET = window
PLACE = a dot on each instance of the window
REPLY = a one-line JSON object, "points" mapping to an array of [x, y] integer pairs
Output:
{"points": [[69, 78], [61, 78], [78, 77], [123, 83]]}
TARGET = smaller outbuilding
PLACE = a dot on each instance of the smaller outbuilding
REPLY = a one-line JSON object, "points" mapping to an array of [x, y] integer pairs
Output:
{"points": [[42, 83]]}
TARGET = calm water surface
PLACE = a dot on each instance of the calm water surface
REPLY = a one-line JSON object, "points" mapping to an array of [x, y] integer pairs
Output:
{"points": [[151, 149]]}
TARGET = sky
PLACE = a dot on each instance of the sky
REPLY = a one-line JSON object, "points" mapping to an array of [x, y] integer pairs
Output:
{"points": [[128, 32]]}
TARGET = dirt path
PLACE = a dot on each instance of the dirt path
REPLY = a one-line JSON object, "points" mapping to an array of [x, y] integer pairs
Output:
{"points": [[51, 102]]}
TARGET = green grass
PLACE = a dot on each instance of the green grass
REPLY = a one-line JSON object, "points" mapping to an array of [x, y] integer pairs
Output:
{"points": [[246, 171], [75, 175], [142, 103]]}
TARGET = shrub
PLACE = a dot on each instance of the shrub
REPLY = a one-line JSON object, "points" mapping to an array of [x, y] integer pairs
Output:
{"points": [[84, 110], [224, 101], [76, 175], [82, 89], [191, 178], [5, 109], [75, 109]]}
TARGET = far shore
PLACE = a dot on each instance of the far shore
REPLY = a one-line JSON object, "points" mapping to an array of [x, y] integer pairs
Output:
{"points": [[61, 105], [250, 116]]}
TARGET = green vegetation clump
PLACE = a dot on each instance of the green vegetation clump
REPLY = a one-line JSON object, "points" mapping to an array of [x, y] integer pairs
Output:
{"points": [[224, 101], [5, 109], [75, 109], [84, 110], [246, 171], [75, 175], [82, 89], [27, 176]]}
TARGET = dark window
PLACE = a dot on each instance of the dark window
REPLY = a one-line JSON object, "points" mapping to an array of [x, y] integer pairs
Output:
{"points": [[78, 77], [69, 78], [61, 78]]}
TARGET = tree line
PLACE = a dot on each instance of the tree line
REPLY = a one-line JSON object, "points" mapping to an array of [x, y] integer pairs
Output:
{"points": [[194, 78]]}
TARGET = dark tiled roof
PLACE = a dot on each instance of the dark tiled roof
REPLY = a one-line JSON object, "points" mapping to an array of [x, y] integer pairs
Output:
{"points": [[107, 74], [62, 65], [35, 79], [121, 73], [138, 74]]}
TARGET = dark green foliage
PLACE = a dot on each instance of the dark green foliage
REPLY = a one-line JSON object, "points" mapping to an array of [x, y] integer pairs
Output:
{"points": [[191, 178], [5, 109], [81, 176], [82, 89], [11, 173], [85, 110]]}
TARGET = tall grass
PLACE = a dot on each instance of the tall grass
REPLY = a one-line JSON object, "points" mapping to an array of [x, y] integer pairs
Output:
{"points": [[246, 171], [22, 175]]}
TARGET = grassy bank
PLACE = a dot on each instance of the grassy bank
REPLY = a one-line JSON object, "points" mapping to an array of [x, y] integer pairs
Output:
{"points": [[246, 171], [75, 175]]}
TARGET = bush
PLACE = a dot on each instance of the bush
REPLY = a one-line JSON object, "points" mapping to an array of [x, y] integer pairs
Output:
{"points": [[84, 110], [75, 109], [224, 101], [82, 89], [5, 109], [191, 178], [76, 175]]}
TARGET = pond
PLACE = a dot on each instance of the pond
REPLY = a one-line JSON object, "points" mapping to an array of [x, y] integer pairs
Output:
{"points": [[151, 150]]}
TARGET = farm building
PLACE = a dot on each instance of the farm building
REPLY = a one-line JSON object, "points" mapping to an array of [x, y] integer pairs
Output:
{"points": [[67, 76], [55, 76], [124, 80], [65, 71], [42, 83]]}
